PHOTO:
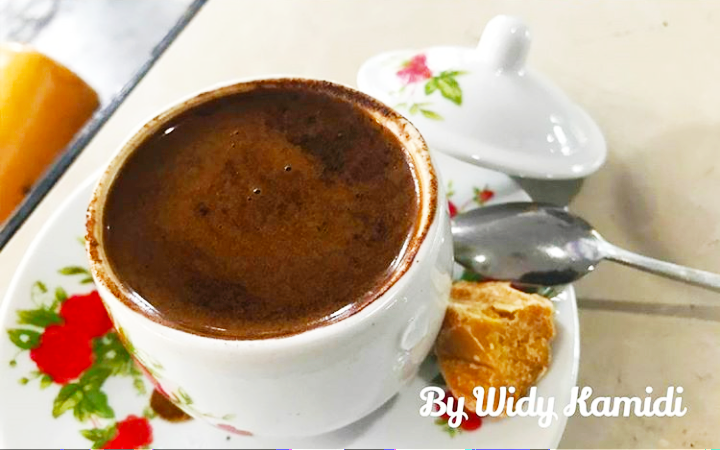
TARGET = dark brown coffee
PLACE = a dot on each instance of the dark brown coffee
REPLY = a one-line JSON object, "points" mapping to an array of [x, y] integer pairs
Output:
{"points": [[261, 214]]}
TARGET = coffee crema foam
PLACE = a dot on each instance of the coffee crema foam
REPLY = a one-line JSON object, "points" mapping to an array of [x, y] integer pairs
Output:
{"points": [[261, 214]]}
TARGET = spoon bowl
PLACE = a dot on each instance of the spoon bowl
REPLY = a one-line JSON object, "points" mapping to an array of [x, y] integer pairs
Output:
{"points": [[542, 244]]}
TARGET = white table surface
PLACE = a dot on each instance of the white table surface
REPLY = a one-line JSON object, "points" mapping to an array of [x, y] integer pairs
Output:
{"points": [[648, 71]]}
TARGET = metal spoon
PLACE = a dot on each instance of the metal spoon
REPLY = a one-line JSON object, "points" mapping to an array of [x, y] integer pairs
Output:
{"points": [[541, 244]]}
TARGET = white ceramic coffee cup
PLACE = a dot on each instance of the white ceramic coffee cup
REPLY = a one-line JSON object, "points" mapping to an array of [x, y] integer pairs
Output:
{"points": [[315, 381]]}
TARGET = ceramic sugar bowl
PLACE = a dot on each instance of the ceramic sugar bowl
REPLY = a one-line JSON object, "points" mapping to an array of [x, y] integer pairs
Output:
{"points": [[484, 106]]}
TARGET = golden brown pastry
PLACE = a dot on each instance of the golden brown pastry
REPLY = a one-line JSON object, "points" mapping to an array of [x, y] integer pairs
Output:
{"points": [[42, 106], [494, 336]]}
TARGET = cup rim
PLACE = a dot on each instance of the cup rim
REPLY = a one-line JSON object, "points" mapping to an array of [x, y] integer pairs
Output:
{"points": [[413, 143]]}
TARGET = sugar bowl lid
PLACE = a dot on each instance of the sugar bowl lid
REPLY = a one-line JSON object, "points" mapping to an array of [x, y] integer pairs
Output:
{"points": [[483, 106]]}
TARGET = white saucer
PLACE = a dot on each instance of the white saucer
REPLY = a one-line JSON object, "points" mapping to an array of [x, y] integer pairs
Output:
{"points": [[26, 418]]}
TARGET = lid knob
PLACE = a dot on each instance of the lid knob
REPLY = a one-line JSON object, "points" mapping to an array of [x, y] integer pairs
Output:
{"points": [[504, 43]]}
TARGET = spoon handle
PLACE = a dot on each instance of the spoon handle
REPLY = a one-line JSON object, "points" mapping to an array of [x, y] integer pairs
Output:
{"points": [[695, 277]]}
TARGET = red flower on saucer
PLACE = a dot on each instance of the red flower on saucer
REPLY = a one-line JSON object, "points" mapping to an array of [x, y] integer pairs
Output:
{"points": [[86, 314], [453, 209], [63, 353], [71, 341], [473, 421], [133, 432], [480, 198], [415, 70], [483, 196]]}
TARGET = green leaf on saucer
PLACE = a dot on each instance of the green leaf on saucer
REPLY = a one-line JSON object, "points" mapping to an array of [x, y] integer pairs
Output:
{"points": [[93, 434], [545, 291], [60, 295], [73, 270], [41, 317], [37, 289], [68, 398], [94, 403], [139, 385], [469, 275], [149, 413], [110, 353], [24, 339], [94, 377], [46, 381], [100, 436], [40, 287]]}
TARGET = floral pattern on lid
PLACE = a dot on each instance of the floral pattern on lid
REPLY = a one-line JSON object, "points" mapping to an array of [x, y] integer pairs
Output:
{"points": [[482, 105], [415, 71]]}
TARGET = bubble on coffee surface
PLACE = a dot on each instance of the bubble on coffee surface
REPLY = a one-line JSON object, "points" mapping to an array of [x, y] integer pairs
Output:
{"points": [[203, 209]]}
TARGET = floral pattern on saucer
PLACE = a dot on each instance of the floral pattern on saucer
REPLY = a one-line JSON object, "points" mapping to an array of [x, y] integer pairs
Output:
{"points": [[396, 424], [71, 341], [479, 198]]}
